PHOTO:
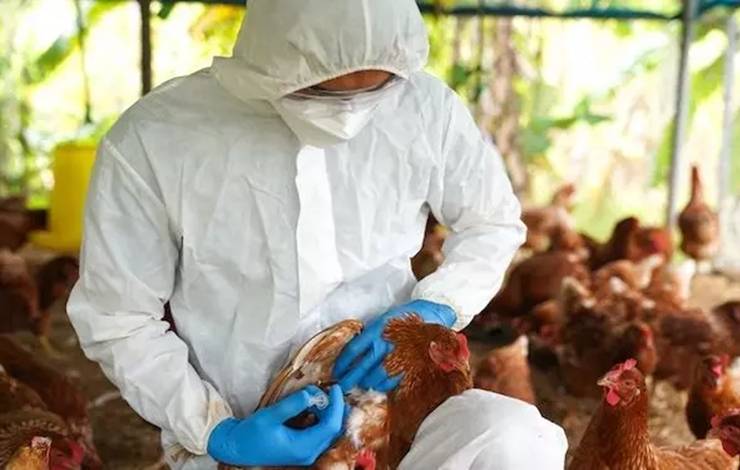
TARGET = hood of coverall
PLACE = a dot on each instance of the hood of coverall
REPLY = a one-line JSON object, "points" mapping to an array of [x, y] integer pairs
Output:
{"points": [[288, 45]]}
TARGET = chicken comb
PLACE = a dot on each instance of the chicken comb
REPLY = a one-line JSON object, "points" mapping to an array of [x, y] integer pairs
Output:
{"points": [[619, 368], [463, 350], [717, 420]]}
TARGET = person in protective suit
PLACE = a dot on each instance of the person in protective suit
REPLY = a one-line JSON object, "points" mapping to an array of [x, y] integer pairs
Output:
{"points": [[280, 191]]}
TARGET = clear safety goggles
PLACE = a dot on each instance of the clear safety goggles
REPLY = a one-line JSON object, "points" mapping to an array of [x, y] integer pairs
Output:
{"points": [[316, 92]]}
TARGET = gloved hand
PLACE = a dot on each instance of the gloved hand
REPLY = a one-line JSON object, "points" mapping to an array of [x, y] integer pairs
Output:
{"points": [[263, 439], [361, 361]]}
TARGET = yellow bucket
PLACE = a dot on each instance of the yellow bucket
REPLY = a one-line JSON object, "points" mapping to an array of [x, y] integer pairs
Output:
{"points": [[72, 166]]}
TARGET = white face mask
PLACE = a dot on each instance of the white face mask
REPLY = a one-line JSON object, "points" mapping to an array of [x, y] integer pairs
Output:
{"points": [[325, 120]]}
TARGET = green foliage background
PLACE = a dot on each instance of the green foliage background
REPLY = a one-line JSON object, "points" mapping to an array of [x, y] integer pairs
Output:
{"points": [[594, 98]]}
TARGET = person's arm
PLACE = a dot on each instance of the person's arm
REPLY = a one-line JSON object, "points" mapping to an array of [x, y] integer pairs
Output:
{"points": [[127, 271], [474, 198]]}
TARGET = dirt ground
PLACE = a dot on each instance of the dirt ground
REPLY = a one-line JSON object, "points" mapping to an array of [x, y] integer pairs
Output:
{"points": [[126, 442]]}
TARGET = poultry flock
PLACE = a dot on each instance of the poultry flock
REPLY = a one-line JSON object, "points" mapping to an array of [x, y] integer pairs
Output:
{"points": [[604, 322], [44, 422], [571, 308]]}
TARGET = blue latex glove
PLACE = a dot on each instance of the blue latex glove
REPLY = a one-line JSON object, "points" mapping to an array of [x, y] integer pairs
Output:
{"points": [[361, 362], [263, 439]]}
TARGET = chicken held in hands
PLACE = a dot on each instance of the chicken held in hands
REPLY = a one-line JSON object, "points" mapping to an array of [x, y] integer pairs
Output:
{"points": [[617, 436], [713, 393], [433, 362]]}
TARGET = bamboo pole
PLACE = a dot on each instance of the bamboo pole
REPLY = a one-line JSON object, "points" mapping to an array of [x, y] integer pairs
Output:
{"points": [[682, 110], [146, 46]]}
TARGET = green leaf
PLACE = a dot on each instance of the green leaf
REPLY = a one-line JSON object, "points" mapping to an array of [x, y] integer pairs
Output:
{"points": [[165, 10], [63, 47]]}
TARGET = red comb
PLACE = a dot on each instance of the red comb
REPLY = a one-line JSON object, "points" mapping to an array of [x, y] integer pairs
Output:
{"points": [[716, 420], [629, 364], [463, 350]]}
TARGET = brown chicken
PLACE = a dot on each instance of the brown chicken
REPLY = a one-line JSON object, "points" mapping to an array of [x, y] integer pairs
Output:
{"points": [[534, 281], [18, 295], [726, 428], [430, 257], [713, 393], [617, 436], [380, 429], [17, 221], [568, 240], [21, 435], [59, 394], [505, 370], [698, 223], [27, 295], [632, 242], [31, 456], [434, 363], [542, 222], [598, 333], [15, 395], [684, 336]]}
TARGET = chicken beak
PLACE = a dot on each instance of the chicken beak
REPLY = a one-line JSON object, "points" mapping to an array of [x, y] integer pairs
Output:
{"points": [[606, 382]]}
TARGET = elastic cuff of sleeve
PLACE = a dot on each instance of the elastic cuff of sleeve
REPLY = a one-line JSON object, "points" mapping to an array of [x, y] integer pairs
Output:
{"points": [[218, 411]]}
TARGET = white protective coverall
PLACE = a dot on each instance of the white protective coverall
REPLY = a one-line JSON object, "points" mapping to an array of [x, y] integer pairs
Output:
{"points": [[202, 196]]}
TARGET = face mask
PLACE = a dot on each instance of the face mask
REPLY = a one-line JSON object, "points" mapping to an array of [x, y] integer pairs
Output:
{"points": [[323, 121]]}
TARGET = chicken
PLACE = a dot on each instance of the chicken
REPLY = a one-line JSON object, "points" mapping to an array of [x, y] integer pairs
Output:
{"points": [[21, 433], [713, 393], [59, 394], [684, 336], [27, 296], [636, 276], [366, 436], [726, 428], [617, 436], [632, 242], [535, 280], [671, 284], [434, 363], [430, 257], [600, 332], [568, 240], [15, 395], [33, 456], [505, 370], [16, 222], [542, 222], [18, 295], [698, 223]]}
